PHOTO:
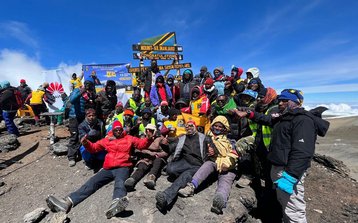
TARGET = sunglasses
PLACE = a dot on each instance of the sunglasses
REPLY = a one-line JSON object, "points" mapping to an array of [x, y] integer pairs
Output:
{"points": [[150, 130], [189, 126]]}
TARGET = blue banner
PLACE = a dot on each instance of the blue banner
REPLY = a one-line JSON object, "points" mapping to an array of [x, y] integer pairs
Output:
{"points": [[116, 72]]}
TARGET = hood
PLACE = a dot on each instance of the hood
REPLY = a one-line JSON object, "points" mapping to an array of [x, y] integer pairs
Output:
{"points": [[223, 120], [170, 76], [158, 75], [5, 84], [254, 71], [190, 78], [201, 92], [320, 124]]}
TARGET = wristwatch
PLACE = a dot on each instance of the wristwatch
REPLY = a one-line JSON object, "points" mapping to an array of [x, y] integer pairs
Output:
{"points": [[248, 113]]}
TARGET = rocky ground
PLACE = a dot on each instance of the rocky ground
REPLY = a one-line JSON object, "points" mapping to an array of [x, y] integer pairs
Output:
{"points": [[32, 172]]}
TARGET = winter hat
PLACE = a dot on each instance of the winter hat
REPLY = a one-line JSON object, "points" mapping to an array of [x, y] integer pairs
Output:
{"points": [[22, 81], [250, 93], [173, 112], [90, 111], [191, 122], [188, 71], [254, 71], [119, 104], [116, 124], [253, 81], [151, 127], [128, 112], [209, 81], [292, 95], [164, 103], [204, 68], [270, 96], [220, 69], [45, 85], [147, 110]]}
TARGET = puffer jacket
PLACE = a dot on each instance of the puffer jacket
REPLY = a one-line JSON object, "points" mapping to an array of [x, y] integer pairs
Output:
{"points": [[226, 156], [293, 139], [8, 99], [200, 106], [119, 150]]}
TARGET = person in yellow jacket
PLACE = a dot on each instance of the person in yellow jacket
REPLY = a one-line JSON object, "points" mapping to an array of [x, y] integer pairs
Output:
{"points": [[75, 82], [37, 102], [222, 158]]}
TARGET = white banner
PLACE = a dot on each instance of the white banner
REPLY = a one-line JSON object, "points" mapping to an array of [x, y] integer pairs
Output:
{"points": [[56, 86]]}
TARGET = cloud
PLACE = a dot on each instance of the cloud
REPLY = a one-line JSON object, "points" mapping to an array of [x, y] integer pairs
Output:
{"points": [[19, 31], [335, 74], [15, 65]]}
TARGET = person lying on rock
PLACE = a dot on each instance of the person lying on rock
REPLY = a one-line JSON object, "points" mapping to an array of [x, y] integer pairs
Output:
{"points": [[222, 158], [116, 167], [190, 153]]}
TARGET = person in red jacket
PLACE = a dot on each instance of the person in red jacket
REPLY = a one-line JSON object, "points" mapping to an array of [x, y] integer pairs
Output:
{"points": [[116, 167]]}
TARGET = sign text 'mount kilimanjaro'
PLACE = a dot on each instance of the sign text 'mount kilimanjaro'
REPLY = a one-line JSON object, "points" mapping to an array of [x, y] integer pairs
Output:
{"points": [[149, 56], [160, 67], [137, 47]]}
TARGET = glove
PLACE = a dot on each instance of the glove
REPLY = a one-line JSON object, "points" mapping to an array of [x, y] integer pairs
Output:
{"points": [[92, 133], [286, 183]]}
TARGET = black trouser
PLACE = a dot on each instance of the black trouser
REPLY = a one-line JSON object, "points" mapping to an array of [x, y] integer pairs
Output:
{"points": [[101, 178], [73, 144], [184, 172], [143, 167]]}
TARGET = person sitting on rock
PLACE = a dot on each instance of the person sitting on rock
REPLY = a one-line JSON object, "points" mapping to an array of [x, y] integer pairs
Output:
{"points": [[116, 167], [94, 129], [222, 158], [152, 159], [190, 153]]}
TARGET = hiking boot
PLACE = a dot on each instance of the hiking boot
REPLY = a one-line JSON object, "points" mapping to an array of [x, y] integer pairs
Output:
{"points": [[149, 181], [71, 163], [218, 204], [57, 205], [162, 202], [129, 184], [117, 206], [187, 191]]}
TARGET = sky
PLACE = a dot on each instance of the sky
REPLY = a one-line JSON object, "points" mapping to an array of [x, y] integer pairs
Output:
{"points": [[308, 44]]}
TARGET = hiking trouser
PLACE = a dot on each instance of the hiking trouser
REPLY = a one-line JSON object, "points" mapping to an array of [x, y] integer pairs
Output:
{"points": [[101, 178], [294, 205], [225, 179], [73, 144], [9, 116], [158, 164], [184, 172]]}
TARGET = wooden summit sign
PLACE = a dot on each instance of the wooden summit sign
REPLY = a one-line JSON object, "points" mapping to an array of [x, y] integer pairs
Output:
{"points": [[146, 48], [149, 56], [160, 67]]}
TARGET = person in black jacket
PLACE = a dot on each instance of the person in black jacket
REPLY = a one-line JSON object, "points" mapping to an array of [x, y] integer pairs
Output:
{"points": [[190, 153], [9, 106], [291, 150], [24, 89]]}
